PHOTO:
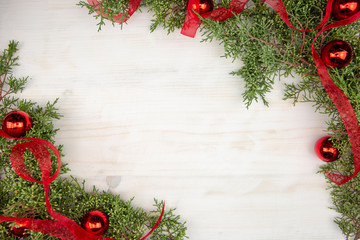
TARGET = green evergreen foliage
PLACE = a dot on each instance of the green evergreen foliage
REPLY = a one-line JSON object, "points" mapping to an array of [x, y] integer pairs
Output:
{"points": [[21, 198], [107, 8], [168, 14], [269, 49]]}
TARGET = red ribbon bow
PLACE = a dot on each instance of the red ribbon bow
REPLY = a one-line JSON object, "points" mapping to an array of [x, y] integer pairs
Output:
{"points": [[62, 227]]}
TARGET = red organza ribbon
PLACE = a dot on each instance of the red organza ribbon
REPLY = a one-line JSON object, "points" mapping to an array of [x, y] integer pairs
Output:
{"points": [[133, 6], [340, 100], [342, 104], [62, 227], [280, 9], [192, 21]]}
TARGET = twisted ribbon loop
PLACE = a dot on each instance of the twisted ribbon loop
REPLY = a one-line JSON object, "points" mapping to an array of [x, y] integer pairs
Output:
{"points": [[338, 97], [342, 104], [62, 227]]}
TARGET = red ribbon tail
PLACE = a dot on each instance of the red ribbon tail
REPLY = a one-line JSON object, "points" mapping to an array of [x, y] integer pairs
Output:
{"points": [[218, 15], [192, 21], [49, 227], [342, 104], [190, 28], [133, 6], [236, 6], [339, 179], [156, 224], [280, 9]]}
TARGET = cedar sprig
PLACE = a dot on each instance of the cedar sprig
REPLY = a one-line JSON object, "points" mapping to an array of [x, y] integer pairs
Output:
{"points": [[168, 14], [106, 8], [8, 83]]}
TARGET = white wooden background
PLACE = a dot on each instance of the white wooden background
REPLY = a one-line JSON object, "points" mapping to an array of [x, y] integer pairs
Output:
{"points": [[156, 115]]}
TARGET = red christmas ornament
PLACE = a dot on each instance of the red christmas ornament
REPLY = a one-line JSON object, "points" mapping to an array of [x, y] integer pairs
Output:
{"points": [[204, 6], [337, 54], [19, 231], [325, 150], [16, 123], [95, 222], [342, 9]]}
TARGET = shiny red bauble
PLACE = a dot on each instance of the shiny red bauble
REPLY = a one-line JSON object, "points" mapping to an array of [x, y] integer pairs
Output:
{"points": [[325, 150], [204, 6], [342, 9], [336, 54], [16, 123], [19, 231], [95, 222]]}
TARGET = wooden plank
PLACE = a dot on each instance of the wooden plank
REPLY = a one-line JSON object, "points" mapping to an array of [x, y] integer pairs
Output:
{"points": [[157, 115]]}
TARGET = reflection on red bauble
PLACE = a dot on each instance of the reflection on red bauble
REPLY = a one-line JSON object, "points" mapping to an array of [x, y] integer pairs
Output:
{"points": [[325, 150], [342, 9], [95, 222], [16, 123], [204, 6], [337, 54], [19, 231]]}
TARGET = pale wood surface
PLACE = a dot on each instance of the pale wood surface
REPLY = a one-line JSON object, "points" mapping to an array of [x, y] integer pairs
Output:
{"points": [[156, 115]]}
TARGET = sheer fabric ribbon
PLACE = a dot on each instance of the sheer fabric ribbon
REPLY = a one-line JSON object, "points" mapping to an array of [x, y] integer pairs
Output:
{"points": [[338, 97], [62, 227], [192, 23]]}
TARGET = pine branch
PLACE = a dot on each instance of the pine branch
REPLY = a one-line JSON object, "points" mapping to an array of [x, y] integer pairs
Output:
{"points": [[8, 83]]}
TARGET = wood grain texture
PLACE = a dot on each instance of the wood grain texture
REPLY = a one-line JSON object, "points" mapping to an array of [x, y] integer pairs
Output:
{"points": [[157, 115]]}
